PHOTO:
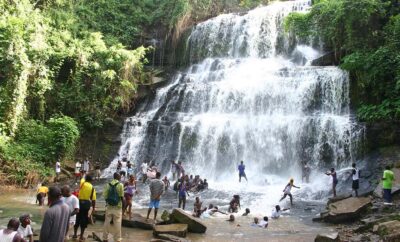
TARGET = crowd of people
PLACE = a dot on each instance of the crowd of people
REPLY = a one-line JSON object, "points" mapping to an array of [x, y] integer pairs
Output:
{"points": [[71, 209]]}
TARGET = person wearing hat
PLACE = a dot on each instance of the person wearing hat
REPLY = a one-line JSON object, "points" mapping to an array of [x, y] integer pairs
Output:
{"points": [[286, 191], [56, 218], [24, 228]]}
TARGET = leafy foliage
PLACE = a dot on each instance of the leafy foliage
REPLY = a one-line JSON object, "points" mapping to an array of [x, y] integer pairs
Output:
{"points": [[37, 146], [367, 33]]}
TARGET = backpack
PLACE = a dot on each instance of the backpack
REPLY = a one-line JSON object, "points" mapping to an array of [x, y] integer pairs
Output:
{"points": [[113, 196]]}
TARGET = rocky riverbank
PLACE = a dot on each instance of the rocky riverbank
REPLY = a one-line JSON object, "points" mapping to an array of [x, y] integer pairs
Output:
{"points": [[364, 218]]}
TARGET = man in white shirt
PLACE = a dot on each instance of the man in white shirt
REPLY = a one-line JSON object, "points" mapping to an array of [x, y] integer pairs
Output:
{"points": [[78, 168], [86, 165], [144, 168], [58, 170], [73, 202], [24, 229]]}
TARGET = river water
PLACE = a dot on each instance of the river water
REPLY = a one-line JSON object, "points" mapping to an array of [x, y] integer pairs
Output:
{"points": [[287, 228]]}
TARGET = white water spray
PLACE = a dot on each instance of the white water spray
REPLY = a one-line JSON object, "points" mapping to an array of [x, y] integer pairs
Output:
{"points": [[245, 98]]}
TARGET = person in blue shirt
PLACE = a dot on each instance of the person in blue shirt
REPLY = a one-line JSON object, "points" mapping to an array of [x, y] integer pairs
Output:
{"points": [[241, 168], [183, 191]]}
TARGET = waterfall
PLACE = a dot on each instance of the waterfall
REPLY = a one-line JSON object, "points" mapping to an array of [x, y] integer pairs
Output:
{"points": [[248, 95]]}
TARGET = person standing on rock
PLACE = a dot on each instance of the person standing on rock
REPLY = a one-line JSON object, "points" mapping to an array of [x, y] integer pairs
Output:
{"points": [[241, 169], [388, 177], [97, 170], [129, 190], [144, 168], [181, 170], [156, 190], [334, 180], [183, 191], [306, 171], [56, 218], [113, 193], [287, 191], [86, 165], [173, 170], [78, 168], [355, 177], [58, 170]]}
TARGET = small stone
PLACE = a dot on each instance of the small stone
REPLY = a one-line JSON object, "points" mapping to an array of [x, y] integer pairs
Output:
{"points": [[332, 237], [172, 238]]}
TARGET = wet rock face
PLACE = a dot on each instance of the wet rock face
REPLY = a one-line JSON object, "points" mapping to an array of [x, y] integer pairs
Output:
{"points": [[137, 221], [194, 225], [346, 210], [179, 230]]}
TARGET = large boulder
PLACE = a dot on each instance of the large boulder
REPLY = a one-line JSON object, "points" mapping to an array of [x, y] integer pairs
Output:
{"points": [[332, 237], [338, 198], [137, 221], [194, 224], [346, 210], [396, 184], [179, 230]]}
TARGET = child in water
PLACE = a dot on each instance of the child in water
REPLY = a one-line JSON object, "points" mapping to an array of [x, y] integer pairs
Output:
{"points": [[287, 191]]}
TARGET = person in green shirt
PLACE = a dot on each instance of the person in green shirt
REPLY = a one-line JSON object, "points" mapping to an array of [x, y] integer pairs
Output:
{"points": [[388, 177], [113, 194]]}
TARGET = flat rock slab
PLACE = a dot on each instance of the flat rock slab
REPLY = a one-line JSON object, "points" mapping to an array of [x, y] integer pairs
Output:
{"points": [[179, 230], [195, 225], [387, 228], [332, 237], [346, 210], [338, 198], [173, 238], [396, 184], [137, 221]]}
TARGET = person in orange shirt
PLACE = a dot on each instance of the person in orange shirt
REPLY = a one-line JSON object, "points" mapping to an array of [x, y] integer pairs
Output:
{"points": [[42, 193]]}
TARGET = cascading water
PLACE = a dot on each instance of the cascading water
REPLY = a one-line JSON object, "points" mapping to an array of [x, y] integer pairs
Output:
{"points": [[247, 97]]}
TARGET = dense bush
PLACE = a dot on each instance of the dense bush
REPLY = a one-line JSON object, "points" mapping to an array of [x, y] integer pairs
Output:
{"points": [[365, 36], [37, 146]]}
